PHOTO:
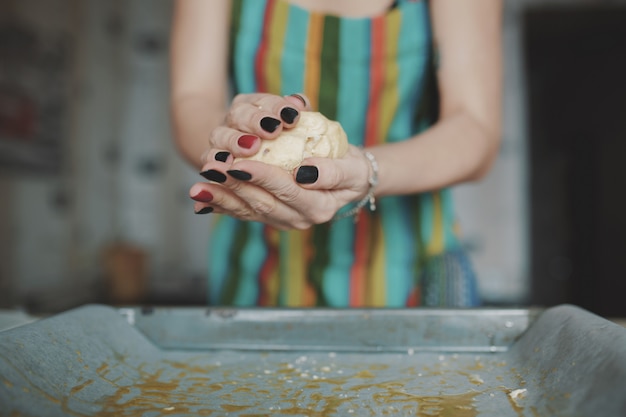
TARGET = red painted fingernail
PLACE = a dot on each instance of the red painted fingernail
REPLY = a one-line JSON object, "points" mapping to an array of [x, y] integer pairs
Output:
{"points": [[246, 141], [203, 197]]}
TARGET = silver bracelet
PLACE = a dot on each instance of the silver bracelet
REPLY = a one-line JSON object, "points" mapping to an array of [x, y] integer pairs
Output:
{"points": [[369, 197]]}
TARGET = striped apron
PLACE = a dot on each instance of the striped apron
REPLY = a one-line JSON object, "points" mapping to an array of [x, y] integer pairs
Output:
{"points": [[376, 77]]}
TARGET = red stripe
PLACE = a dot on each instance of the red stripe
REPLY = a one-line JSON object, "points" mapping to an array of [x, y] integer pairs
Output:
{"points": [[414, 298], [377, 78], [259, 60], [269, 268], [358, 272]]}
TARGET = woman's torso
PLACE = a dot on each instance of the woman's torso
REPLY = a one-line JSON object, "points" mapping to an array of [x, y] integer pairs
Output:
{"points": [[375, 75]]}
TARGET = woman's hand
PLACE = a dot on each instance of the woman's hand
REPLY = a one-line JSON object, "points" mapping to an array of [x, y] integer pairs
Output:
{"points": [[255, 191], [253, 117]]}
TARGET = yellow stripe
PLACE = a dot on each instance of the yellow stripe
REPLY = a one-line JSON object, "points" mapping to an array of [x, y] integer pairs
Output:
{"points": [[376, 288], [273, 284], [436, 244], [276, 34], [312, 63], [389, 97], [296, 269]]}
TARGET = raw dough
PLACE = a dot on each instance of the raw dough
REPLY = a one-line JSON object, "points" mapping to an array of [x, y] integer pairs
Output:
{"points": [[313, 135]]}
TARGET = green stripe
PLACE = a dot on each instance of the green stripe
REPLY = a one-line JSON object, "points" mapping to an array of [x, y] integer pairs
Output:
{"points": [[283, 268], [420, 249], [329, 86], [329, 72], [235, 19], [233, 279], [319, 263]]}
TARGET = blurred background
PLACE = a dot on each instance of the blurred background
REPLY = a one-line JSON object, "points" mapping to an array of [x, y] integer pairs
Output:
{"points": [[94, 202]]}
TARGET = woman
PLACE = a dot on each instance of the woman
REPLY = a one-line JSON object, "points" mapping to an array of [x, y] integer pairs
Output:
{"points": [[416, 84]]}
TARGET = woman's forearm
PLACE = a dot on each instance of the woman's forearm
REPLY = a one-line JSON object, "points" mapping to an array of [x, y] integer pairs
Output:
{"points": [[194, 117], [457, 149]]}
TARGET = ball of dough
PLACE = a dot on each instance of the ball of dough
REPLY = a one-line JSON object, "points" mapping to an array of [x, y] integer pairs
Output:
{"points": [[313, 135]]}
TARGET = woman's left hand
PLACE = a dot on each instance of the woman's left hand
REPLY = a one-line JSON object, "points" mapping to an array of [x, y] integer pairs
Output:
{"points": [[256, 191]]}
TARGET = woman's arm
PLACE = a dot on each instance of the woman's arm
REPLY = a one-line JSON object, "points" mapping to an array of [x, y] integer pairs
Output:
{"points": [[199, 79], [463, 144], [460, 147]]}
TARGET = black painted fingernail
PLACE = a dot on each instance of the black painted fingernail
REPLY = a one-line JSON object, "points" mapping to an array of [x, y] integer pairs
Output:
{"points": [[222, 156], [289, 114], [213, 175], [240, 175], [269, 124], [205, 210], [307, 174]]}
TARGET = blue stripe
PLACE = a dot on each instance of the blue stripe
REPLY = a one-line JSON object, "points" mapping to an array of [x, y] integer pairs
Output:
{"points": [[451, 240], [413, 51], [354, 77], [246, 45], [252, 258], [292, 66], [222, 237]]}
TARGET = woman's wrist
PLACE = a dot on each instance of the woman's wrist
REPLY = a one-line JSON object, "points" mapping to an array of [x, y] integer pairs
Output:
{"points": [[369, 198]]}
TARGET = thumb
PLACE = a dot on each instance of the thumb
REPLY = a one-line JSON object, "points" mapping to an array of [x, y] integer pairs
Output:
{"points": [[333, 174]]}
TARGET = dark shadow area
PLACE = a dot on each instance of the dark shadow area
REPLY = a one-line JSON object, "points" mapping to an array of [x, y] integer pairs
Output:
{"points": [[576, 65]]}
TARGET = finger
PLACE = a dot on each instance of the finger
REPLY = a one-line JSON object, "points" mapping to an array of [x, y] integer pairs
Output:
{"points": [[263, 114], [350, 172], [310, 206], [233, 141], [249, 202], [301, 101], [249, 117], [238, 198], [281, 106], [217, 155]]}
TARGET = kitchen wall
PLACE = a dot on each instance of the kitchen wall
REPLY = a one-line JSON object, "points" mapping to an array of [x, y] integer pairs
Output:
{"points": [[119, 196], [107, 203]]}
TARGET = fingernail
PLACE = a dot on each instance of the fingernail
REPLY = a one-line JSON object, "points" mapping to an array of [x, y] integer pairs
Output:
{"points": [[222, 156], [246, 141], [205, 210], [269, 124], [307, 174], [289, 114], [240, 175], [213, 175], [203, 196]]}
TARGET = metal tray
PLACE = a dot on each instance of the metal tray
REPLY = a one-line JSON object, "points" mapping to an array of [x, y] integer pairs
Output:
{"points": [[101, 361]]}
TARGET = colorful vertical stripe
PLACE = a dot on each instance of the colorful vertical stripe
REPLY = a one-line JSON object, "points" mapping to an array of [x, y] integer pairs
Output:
{"points": [[370, 74]]}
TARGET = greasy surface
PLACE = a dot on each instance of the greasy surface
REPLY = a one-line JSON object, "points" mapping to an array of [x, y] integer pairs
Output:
{"points": [[92, 362]]}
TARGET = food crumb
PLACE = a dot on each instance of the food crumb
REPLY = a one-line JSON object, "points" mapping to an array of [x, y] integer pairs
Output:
{"points": [[476, 379], [518, 393]]}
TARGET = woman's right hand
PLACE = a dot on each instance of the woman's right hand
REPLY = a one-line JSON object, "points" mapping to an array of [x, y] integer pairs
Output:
{"points": [[251, 118]]}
